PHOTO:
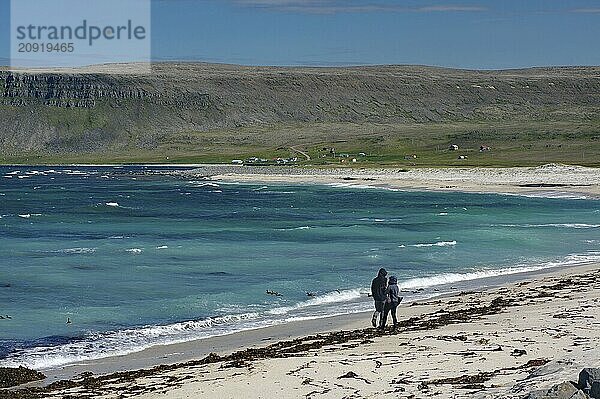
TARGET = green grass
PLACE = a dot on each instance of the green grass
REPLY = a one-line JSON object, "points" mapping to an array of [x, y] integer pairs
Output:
{"points": [[513, 143]]}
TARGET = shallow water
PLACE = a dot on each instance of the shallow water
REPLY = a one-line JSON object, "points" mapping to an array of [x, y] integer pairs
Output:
{"points": [[135, 261]]}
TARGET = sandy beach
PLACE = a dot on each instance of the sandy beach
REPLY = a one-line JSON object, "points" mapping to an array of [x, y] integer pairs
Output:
{"points": [[502, 342], [521, 333], [547, 180]]}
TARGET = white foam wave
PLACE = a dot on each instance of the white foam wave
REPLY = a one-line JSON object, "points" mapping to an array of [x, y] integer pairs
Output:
{"points": [[29, 215], [75, 251], [332, 297], [162, 247], [135, 250], [295, 228], [362, 186], [117, 343], [549, 194], [450, 278], [560, 225], [113, 204], [436, 244], [204, 184]]}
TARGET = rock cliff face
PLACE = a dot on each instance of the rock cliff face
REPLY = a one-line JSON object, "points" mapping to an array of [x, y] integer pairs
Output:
{"points": [[89, 112], [84, 90]]}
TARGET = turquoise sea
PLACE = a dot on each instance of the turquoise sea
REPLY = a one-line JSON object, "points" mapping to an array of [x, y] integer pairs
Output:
{"points": [[135, 261]]}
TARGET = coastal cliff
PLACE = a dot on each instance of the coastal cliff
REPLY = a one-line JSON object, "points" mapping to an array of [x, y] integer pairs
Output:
{"points": [[86, 113]]}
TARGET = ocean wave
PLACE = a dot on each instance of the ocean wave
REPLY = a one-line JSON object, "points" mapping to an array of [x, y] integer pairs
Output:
{"points": [[561, 225], [329, 298], [295, 228], [436, 244], [29, 215], [380, 219], [204, 184], [549, 195], [135, 250], [450, 278], [362, 186], [77, 172], [117, 343], [75, 251]]}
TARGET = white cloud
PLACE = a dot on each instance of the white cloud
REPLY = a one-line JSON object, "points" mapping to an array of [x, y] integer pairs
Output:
{"points": [[350, 6]]}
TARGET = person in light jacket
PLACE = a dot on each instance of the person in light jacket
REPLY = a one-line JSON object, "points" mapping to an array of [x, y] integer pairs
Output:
{"points": [[393, 299]]}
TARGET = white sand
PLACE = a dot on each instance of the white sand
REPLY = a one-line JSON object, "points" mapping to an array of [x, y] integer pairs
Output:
{"points": [[548, 180]]}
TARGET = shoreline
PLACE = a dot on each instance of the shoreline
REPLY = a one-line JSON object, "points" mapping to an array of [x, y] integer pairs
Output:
{"points": [[179, 351], [550, 180], [227, 343], [470, 330]]}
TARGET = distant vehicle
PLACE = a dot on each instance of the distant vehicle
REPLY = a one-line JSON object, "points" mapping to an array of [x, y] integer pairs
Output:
{"points": [[237, 162]]}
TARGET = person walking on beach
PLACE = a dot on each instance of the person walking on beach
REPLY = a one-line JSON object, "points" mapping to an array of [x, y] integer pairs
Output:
{"points": [[392, 301], [378, 287]]}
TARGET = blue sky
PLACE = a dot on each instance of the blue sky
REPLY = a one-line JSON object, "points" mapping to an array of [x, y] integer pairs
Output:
{"points": [[481, 34]]}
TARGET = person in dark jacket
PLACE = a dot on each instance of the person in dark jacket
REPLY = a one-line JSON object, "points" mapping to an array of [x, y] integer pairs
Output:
{"points": [[378, 287], [392, 301]]}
